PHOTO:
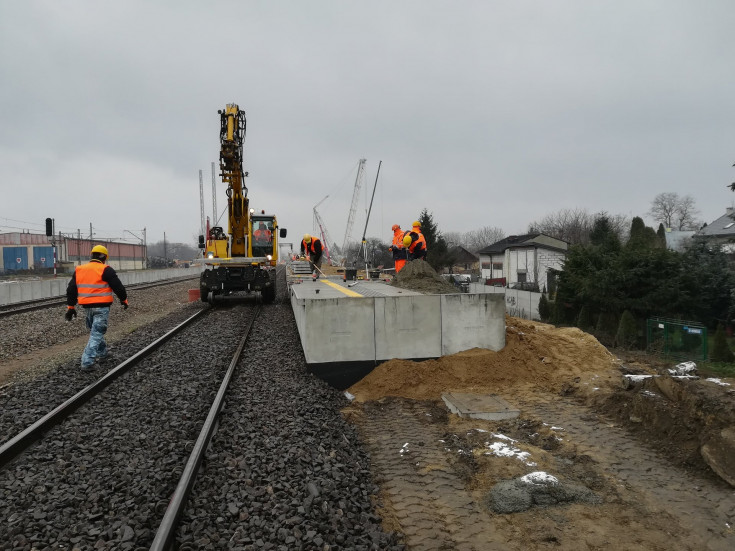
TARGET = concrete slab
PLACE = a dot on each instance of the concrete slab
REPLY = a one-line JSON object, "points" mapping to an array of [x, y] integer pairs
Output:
{"points": [[363, 321], [480, 406]]}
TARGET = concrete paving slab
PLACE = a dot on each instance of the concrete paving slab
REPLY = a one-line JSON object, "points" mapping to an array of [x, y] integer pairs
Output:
{"points": [[480, 406]]}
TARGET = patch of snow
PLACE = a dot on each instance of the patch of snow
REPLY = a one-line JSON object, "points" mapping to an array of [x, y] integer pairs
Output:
{"points": [[540, 478], [349, 396], [649, 393], [637, 378], [717, 381], [503, 437], [504, 450], [404, 449]]}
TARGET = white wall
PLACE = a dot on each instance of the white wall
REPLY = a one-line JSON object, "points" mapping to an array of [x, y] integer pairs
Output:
{"points": [[519, 304]]}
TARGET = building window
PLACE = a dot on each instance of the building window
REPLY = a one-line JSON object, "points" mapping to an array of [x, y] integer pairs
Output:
{"points": [[497, 265], [486, 265], [521, 277]]}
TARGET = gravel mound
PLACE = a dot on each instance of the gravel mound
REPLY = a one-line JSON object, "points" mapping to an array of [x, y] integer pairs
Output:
{"points": [[419, 276]]}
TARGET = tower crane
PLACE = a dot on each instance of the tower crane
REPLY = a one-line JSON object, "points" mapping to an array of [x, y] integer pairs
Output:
{"points": [[322, 228], [353, 207]]}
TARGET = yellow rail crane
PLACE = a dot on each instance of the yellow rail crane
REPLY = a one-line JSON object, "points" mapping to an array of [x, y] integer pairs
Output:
{"points": [[244, 259]]}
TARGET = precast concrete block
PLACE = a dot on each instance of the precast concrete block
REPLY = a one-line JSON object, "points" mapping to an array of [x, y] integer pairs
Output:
{"points": [[338, 329], [408, 327], [472, 321]]}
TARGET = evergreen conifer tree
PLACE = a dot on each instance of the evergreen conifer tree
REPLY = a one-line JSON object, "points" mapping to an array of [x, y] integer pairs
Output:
{"points": [[627, 333], [720, 350]]}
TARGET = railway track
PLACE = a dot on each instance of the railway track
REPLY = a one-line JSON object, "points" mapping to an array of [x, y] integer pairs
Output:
{"points": [[7, 310], [115, 474]]}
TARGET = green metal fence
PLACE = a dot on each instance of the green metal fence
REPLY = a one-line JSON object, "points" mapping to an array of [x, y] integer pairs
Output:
{"points": [[679, 339]]}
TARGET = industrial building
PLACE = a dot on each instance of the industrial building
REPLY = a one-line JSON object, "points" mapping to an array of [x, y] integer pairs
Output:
{"points": [[35, 253]]}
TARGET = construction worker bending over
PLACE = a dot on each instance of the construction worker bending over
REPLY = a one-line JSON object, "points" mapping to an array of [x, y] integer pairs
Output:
{"points": [[397, 248], [311, 247], [92, 285], [415, 243]]}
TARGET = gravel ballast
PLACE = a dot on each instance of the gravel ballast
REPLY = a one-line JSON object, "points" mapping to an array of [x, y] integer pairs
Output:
{"points": [[284, 471]]}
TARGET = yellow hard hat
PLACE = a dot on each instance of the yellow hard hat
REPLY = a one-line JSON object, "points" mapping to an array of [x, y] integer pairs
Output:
{"points": [[307, 238], [407, 240], [100, 249], [416, 224]]}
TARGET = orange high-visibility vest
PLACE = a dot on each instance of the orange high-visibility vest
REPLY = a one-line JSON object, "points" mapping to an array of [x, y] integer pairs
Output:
{"points": [[421, 239], [90, 287]]}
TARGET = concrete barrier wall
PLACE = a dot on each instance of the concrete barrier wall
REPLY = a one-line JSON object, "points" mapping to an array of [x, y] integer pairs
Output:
{"points": [[519, 304], [382, 328], [472, 321], [20, 290], [408, 327]]}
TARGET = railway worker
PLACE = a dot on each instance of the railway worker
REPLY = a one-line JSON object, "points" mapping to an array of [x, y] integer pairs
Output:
{"points": [[415, 243], [262, 235], [397, 248], [92, 285], [311, 247]]}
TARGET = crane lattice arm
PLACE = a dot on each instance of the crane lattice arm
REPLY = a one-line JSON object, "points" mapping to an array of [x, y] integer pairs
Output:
{"points": [[353, 207]]}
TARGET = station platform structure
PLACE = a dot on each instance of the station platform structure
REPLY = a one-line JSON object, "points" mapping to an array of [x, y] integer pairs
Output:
{"points": [[371, 321]]}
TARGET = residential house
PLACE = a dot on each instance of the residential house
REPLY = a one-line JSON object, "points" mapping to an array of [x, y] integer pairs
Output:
{"points": [[465, 262], [678, 240], [720, 231], [523, 261]]}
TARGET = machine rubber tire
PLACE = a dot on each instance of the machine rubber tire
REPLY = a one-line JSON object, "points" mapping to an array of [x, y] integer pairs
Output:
{"points": [[203, 294]]}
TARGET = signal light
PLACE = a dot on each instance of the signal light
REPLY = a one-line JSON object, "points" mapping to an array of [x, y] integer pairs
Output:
{"points": [[49, 227]]}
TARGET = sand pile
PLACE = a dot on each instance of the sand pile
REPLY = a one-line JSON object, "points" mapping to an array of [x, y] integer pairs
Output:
{"points": [[536, 355], [419, 276]]}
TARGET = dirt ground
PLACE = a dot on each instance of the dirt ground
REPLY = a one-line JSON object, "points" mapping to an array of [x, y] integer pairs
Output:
{"points": [[632, 446]]}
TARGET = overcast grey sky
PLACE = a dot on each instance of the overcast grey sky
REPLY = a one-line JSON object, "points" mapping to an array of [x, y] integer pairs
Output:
{"points": [[487, 113]]}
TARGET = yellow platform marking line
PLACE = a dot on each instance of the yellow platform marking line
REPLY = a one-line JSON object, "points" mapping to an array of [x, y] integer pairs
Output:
{"points": [[346, 291]]}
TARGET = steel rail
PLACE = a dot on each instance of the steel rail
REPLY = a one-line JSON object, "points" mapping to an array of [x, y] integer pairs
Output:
{"points": [[166, 530], [32, 305], [22, 441]]}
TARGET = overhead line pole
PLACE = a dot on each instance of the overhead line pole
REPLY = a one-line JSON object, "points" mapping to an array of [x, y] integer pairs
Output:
{"points": [[364, 244]]}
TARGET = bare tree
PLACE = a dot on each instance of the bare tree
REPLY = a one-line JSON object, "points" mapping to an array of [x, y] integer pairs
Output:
{"points": [[674, 212], [575, 225], [479, 239]]}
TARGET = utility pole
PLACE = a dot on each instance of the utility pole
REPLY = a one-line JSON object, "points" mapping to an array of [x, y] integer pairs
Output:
{"points": [[145, 249], [79, 247], [165, 256], [90, 231], [201, 200]]}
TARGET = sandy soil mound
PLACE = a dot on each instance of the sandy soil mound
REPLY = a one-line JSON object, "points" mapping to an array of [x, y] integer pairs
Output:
{"points": [[535, 355], [419, 276]]}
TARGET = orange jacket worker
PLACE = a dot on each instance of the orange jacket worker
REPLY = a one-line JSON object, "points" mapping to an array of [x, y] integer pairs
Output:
{"points": [[312, 248], [397, 248], [262, 234], [415, 243], [92, 285]]}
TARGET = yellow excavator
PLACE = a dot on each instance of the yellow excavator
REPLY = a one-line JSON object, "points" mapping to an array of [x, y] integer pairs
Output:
{"points": [[244, 259]]}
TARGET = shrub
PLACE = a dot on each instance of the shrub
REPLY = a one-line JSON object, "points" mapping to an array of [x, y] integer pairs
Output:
{"points": [[544, 308], [607, 326], [720, 350], [584, 320], [627, 333]]}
